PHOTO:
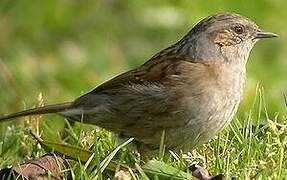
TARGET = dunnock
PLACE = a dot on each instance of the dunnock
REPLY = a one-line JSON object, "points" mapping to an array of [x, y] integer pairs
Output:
{"points": [[190, 90]]}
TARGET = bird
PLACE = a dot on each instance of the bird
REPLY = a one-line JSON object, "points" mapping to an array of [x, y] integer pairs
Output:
{"points": [[190, 91]]}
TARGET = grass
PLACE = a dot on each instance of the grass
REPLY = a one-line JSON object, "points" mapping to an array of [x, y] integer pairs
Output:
{"points": [[253, 147]]}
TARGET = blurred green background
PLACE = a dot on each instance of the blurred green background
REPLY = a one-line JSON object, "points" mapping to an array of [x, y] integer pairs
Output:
{"points": [[63, 48]]}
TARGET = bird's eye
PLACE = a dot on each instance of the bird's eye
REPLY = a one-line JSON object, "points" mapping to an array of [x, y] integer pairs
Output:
{"points": [[238, 29]]}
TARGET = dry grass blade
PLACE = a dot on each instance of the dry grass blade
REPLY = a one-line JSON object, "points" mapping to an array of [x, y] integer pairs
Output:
{"points": [[8, 77], [285, 99]]}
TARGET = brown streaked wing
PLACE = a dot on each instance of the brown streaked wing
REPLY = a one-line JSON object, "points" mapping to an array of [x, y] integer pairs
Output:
{"points": [[153, 71]]}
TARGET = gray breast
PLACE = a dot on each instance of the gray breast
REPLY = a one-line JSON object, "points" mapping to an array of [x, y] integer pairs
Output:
{"points": [[209, 112]]}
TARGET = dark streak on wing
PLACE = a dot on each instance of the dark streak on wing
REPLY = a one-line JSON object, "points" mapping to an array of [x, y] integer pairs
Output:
{"points": [[151, 72]]}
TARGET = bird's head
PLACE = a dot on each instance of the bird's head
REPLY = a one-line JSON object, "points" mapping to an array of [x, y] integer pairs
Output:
{"points": [[227, 37]]}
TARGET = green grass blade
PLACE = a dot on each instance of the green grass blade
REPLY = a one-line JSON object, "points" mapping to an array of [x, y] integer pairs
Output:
{"points": [[108, 159], [164, 171]]}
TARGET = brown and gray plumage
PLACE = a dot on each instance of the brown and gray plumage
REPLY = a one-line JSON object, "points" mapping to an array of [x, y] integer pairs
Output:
{"points": [[191, 90]]}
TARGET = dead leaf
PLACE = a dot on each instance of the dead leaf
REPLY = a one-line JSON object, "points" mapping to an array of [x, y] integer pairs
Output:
{"points": [[49, 166], [199, 173]]}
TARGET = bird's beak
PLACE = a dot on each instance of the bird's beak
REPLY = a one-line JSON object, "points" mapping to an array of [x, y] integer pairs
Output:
{"points": [[262, 35]]}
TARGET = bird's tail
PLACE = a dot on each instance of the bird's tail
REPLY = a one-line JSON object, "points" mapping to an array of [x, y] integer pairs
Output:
{"points": [[54, 108]]}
